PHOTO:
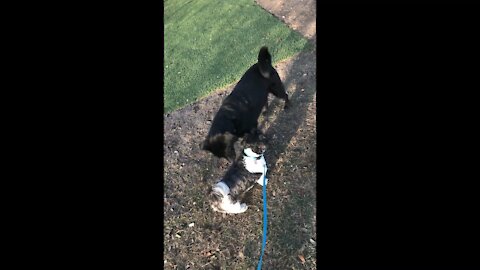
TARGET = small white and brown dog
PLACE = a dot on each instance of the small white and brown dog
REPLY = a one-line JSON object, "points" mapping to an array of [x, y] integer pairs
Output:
{"points": [[248, 169]]}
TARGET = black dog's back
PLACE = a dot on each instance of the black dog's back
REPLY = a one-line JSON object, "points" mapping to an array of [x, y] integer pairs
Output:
{"points": [[239, 112], [244, 105]]}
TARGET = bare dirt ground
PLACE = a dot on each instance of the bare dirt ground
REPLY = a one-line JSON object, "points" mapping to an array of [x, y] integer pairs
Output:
{"points": [[195, 237]]}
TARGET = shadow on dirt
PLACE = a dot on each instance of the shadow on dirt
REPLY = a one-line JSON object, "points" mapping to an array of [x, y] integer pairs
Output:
{"points": [[289, 218]]}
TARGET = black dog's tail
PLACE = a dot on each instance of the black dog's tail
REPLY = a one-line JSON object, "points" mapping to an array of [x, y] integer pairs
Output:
{"points": [[264, 62]]}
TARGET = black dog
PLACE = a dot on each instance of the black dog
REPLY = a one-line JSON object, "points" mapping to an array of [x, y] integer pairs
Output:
{"points": [[241, 176], [238, 115]]}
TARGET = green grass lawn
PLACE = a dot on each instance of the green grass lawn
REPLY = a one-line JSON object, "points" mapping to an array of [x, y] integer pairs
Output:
{"points": [[210, 44]]}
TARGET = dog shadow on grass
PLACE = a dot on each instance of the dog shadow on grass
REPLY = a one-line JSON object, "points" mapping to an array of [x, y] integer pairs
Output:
{"points": [[288, 218]]}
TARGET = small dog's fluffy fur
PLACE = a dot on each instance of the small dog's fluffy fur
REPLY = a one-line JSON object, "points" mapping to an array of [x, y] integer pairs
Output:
{"points": [[239, 112], [225, 195]]}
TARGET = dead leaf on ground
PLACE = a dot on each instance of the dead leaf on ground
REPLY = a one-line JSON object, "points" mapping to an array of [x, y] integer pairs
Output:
{"points": [[302, 259], [241, 255]]}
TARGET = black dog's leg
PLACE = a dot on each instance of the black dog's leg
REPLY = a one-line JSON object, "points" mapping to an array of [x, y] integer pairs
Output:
{"points": [[266, 116], [280, 93], [265, 111], [284, 96]]}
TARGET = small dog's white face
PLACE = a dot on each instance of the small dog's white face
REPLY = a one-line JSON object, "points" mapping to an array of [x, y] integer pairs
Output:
{"points": [[254, 163]]}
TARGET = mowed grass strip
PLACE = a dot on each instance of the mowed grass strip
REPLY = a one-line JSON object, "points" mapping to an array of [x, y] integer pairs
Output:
{"points": [[210, 44]]}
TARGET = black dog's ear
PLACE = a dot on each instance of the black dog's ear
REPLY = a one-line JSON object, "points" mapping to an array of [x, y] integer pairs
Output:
{"points": [[264, 62]]}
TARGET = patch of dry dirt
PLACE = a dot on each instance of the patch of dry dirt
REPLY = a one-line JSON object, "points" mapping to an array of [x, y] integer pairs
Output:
{"points": [[299, 15], [195, 237]]}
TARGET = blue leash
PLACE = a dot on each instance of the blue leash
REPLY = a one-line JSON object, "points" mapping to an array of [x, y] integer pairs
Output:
{"points": [[264, 237]]}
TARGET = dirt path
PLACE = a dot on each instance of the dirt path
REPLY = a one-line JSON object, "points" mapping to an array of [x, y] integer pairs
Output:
{"points": [[299, 15], [219, 241]]}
